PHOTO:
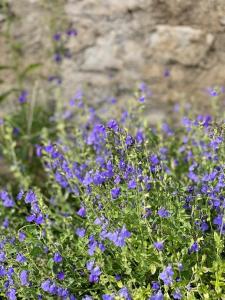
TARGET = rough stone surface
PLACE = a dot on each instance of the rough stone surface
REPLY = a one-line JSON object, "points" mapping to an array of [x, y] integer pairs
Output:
{"points": [[121, 43], [179, 44]]}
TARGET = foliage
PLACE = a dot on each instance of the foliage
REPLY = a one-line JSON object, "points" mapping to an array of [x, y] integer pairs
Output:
{"points": [[109, 209], [95, 207]]}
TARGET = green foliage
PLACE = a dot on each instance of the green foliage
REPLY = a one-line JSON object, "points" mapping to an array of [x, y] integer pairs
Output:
{"points": [[163, 167]]}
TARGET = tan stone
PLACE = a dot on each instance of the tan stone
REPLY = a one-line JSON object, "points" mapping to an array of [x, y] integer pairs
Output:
{"points": [[123, 42]]}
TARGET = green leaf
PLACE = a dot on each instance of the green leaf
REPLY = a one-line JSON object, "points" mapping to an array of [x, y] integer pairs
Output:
{"points": [[6, 94], [5, 67], [36, 251], [153, 269], [29, 69]]}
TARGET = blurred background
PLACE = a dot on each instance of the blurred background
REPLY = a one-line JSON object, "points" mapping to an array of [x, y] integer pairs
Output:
{"points": [[174, 49]]}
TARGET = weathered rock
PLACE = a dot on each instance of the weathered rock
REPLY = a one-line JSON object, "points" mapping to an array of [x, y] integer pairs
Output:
{"points": [[179, 44], [121, 43]]}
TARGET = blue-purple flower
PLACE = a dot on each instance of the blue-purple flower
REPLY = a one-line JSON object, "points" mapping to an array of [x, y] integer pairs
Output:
{"points": [[81, 212], [24, 278], [194, 247], [123, 292], [159, 245], [115, 192], [61, 275], [112, 124], [20, 258], [80, 232], [167, 275], [57, 257], [163, 213]]}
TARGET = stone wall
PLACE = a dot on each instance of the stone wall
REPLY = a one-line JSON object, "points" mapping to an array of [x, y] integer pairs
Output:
{"points": [[121, 43]]}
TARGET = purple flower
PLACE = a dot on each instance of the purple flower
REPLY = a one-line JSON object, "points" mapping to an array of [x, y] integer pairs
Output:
{"points": [[7, 201], [112, 124], [39, 219], [117, 277], [87, 179], [194, 247], [163, 213], [205, 120], [81, 212], [117, 179], [30, 197], [20, 195], [57, 79], [112, 100], [193, 177], [177, 294], [147, 212], [115, 192], [119, 236], [80, 232], [16, 131], [218, 220], [132, 184], [57, 257], [90, 265], [94, 276], [124, 116], [92, 245], [139, 137], [10, 271], [157, 296], [24, 278], [5, 223], [11, 294], [154, 160], [57, 57], [129, 141], [155, 285], [98, 178], [166, 73], [167, 275], [62, 292], [159, 246], [212, 92], [101, 246], [23, 97], [31, 218], [61, 180], [2, 256], [98, 221], [141, 99], [22, 236], [46, 285], [20, 258], [107, 297], [57, 36], [204, 226], [61, 275], [99, 128], [2, 271], [71, 32], [143, 87], [53, 289], [124, 293], [166, 128]]}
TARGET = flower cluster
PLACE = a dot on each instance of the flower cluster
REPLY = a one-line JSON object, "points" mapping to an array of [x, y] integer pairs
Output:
{"points": [[113, 209]]}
